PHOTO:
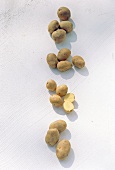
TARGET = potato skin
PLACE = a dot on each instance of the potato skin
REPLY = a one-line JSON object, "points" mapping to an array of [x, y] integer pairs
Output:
{"points": [[63, 54], [51, 85], [59, 35], [56, 100], [52, 60], [60, 125], [67, 26], [64, 66], [63, 149], [64, 13], [53, 26], [78, 61], [52, 137], [61, 90]]}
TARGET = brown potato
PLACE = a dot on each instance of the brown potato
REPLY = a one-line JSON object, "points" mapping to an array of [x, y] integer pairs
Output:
{"points": [[63, 149], [78, 61], [56, 100], [60, 125], [64, 13], [52, 137], [51, 85], [66, 25], [52, 60], [53, 26], [61, 90], [63, 54], [59, 35], [64, 66]]}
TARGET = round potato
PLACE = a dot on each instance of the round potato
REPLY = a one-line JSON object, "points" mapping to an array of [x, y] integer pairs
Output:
{"points": [[52, 60], [63, 149], [59, 35], [52, 137], [60, 125], [51, 85], [64, 66], [56, 100], [69, 97], [63, 54], [64, 13], [53, 26], [68, 106], [78, 61], [61, 90], [66, 25]]}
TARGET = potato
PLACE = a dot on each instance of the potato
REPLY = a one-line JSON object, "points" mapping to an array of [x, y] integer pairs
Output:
{"points": [[52, 60], [63, 54], [60, 125], [52, 137], [64, 66], [61, 90], [56, 100], [63, 149], [68, 106], [64, 13], [66, 25], [69, 97], [78, 61], [53, 26], [51, 85], [59, 35]]}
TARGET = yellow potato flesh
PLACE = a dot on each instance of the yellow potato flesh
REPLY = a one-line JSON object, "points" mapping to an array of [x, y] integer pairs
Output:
{"points": [[69, 97]]}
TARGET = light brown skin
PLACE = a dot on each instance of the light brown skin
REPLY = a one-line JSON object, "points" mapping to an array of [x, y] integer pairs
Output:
{"points": [[53, 26], [61, 90], [56, 100], [63, 54], [64, 66], [64, 13], [59, 35], [51, 85], [67, 26], [63, 149], [52, 137], [78, 61], [52, 60], [60, 125]]}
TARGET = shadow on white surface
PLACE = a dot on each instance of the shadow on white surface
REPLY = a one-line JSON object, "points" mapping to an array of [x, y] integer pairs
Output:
{"points": [[84, 71], [72, 23], [72, 116], [66, 134], [76, 105], [59, 110], [52, 148]]}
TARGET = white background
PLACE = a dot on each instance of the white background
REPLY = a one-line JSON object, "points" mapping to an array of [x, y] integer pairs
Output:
{"points": [[25, 111]]}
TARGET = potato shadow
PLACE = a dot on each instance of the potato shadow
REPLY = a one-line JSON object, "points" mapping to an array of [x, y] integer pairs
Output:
{"points": [[83, 71], [66, 134], [55, 71], [71, 20], [52, 148], [59, 110], [51, 92], [75, 105], [72, 116]]}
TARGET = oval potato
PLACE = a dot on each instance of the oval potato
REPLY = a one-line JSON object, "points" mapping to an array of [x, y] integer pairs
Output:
{"points": [[66, 25], [56, 100], [52, 60], [64, 66], [61, 90], [59, 35], [53, 26], [78, 61], [63, 54], [60, 125], [51, 85], [64, 13]]}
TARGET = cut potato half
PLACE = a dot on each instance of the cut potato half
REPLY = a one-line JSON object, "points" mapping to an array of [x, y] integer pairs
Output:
{"points": [[69, 97], [68, 106]]}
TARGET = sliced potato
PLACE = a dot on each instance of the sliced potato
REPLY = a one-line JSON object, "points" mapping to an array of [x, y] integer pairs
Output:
{"points": [[69, 97], [68, 106]]}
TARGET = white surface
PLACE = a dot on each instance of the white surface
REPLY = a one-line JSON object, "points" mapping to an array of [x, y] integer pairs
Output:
{"points": [[25, 111]]}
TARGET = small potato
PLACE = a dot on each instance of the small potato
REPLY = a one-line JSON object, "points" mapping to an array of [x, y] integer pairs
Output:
{"points": [[68, 106], [52, 137], [78, 61], [53, 26], [56, 100], [63, 54], [59, 35], [64, 13], [51, 85], [61, 90], [52, 60], [69, 97], [63, 149], [60, 125], [66, 25], [64, 66]]}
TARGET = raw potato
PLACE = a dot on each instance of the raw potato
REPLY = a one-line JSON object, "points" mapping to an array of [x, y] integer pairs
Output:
{"points": [[60, 125], [53, 26], [52, 137], [63, 149], [68, 106], [69, 97], [78, 61], [63, 54], [64, 13], [66, 25], [59, 35], [64, 66], [51, 85], [56, 100], [52, 60], [61, 90]]}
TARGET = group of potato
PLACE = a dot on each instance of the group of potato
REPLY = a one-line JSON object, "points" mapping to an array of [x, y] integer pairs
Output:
{"points": [[52, 137], [59, 30]]}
